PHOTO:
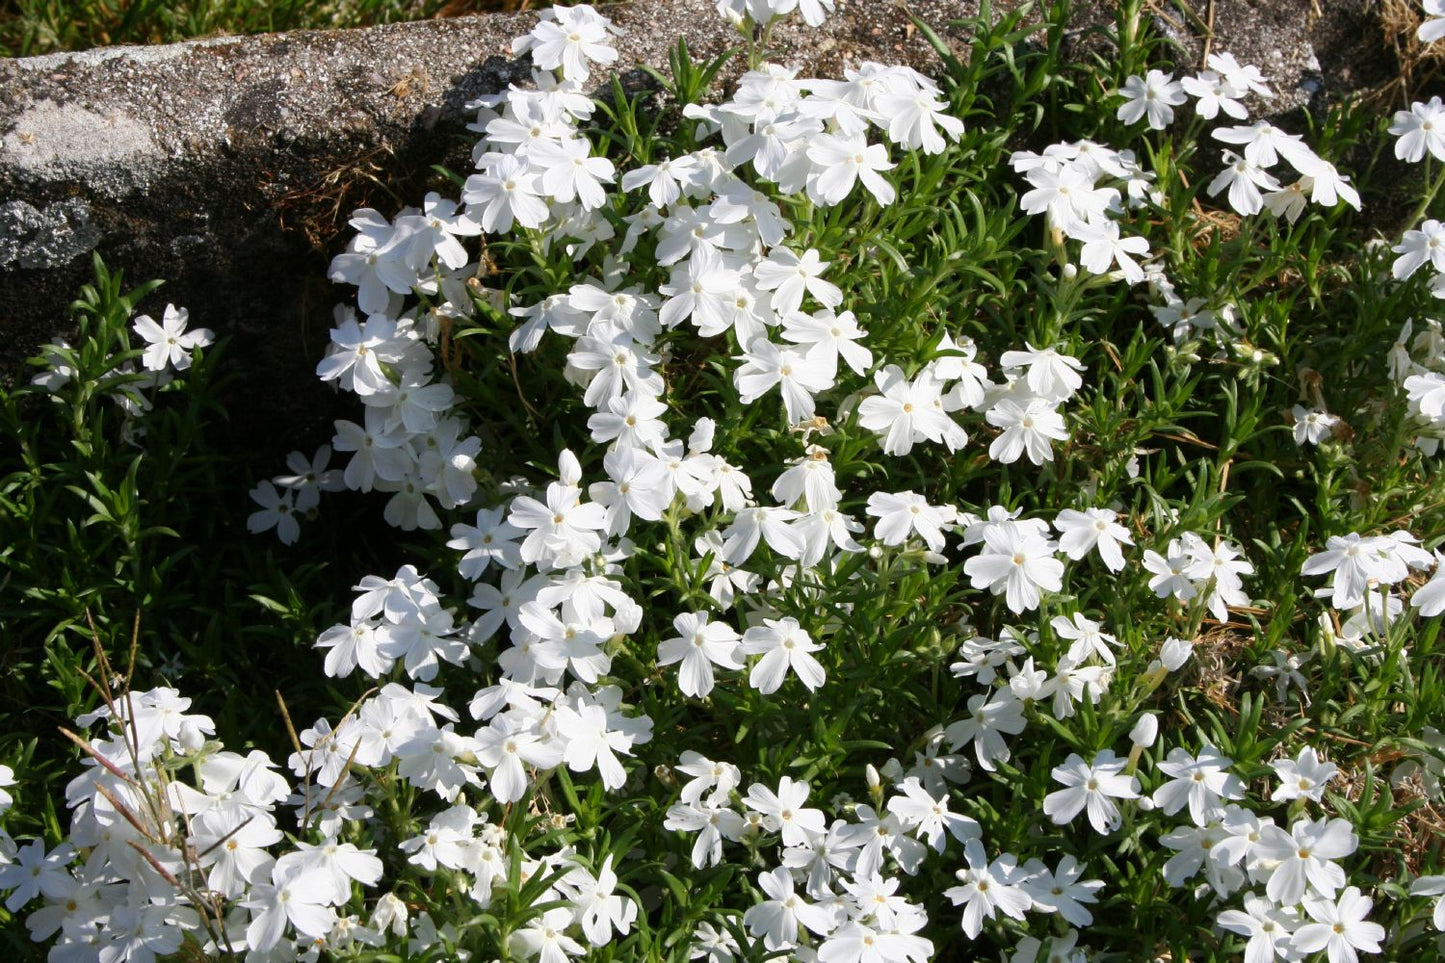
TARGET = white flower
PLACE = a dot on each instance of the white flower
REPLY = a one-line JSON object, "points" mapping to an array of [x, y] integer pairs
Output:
{"points": [[1051, 375], [699, 646], [1421, 129], [1268, 927], [1085, 638], [1154, 96], [1199, 782], [1418, 247], [278, 511], [1018, 564], [1244, 179], [568, 38], [1432, 886], [908, 412], [783, 645], [1302, 858], [1312, 426], [1093, 786], [1093, 528], [776, 920], [904, 513], [1302, 778], [785, 811], [1339, 927], [843, 160], [1433, 26], [798, 376], [987, 889], [1027, 427], [989, 718], [169, 343]]}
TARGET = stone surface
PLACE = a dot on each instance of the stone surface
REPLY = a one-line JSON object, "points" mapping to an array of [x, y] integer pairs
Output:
{"points": [[229, 166]]}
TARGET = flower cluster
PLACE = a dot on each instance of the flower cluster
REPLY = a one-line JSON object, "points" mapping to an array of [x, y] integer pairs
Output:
{"points": [[769, 496]]}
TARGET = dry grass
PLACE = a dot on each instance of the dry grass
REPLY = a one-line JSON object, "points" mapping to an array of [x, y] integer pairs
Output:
{"points": [[1420, 64]]}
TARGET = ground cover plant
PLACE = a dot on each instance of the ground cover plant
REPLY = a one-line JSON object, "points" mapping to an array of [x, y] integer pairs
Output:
{"points": [[850, 519]]}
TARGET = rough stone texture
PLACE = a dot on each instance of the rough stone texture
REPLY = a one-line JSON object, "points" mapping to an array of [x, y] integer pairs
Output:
{"points": [[229, 166]]}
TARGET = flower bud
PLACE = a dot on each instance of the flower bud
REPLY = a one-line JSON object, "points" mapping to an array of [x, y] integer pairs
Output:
{"points": [[1174, 653], [1145, 731]]}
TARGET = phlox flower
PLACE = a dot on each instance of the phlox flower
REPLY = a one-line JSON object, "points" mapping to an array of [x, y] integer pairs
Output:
{"points": [[712, 821], [1094, 786], [841, 162], [1085, 638], [292, 898], [560, 531], [596, 905], [1066, 195], [506, 192], [545, 937], [1312, 426], [567, 38], [1093, 528], [905, 513], [1214, 93], [1303, 777], [1264, 144], [717, 779], [699, 645], [1303, 858], [856, 942], [789, 274], [1432, 28], [169, 343], [664, 179], [278, 511], [1421, 129], [914, 117], [490, 540], [1050, 374], [593, 739], [785, 811], [1018, 564], [1357, 564], [1154, 96], [776, 919], [1430, 597], [35, 872], [1418, 247], [1339, 927], [809, 479], [1242, 77], [1269, 928], [1063, 890], [1243, 179], [1432, 886], [1027, 428], [989, 719], [1199, 782], [1171, 574], [987, 889], [709, 944], [310, 477], [798, 376], [907, 412], [1327, 186], [783, 645], [568, 172], [929, 817], [1104, 247]]}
